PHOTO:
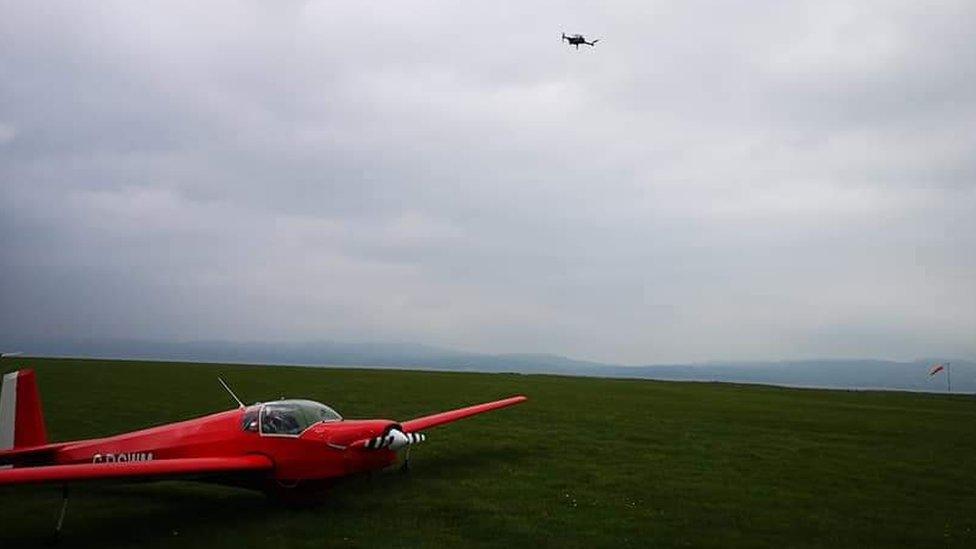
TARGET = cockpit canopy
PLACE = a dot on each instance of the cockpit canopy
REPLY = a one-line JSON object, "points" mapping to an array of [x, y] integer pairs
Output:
{"points": [[287, 417]]}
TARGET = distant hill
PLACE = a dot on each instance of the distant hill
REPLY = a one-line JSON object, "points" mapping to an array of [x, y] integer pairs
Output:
{"points": [[841, 374]]}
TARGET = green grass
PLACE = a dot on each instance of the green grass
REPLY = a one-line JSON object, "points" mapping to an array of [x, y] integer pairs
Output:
{"points": [[586, 462]]}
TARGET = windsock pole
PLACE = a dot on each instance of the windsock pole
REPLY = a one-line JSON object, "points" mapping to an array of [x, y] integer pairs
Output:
{"points": [[948, 378]]}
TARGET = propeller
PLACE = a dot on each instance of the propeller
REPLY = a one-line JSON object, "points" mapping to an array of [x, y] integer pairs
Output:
{"points": [[394, 439]]}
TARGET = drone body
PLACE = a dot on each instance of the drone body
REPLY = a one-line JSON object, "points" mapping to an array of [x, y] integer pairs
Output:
{"points": [[577, 39]]}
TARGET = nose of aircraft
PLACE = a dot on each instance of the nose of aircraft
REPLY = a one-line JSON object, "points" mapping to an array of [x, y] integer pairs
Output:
{"points": [[394, 439], [401, 439], [366, 434]]}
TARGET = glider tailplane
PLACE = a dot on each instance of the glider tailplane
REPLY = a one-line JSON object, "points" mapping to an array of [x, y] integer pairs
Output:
{"points": [[21, 417]]}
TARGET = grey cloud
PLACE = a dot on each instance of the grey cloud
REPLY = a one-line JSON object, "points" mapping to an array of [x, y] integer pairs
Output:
{"points": [[725, 181]]}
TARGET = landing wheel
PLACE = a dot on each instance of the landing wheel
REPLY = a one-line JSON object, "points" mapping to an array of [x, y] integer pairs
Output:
{"points": [[405, 466]]}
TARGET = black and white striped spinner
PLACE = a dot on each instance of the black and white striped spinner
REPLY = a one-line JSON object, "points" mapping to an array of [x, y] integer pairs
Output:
{"points": [[394, 440]]}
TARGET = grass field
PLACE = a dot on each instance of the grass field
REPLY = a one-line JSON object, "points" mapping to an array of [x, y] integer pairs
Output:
{"points": [[586, 462]]}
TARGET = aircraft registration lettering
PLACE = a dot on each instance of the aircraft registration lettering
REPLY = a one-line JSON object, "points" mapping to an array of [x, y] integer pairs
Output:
{"points": [[122, 458]]}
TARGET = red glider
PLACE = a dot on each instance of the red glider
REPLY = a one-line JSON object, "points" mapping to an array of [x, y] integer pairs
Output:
{"points": [[274, 446]]}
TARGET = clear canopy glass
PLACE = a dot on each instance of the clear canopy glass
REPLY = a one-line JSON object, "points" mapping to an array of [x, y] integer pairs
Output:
{"points": [[291, 417]]}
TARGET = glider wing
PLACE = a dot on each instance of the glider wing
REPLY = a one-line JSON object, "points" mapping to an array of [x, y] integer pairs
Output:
{"points": [[134, 470], [427, 422]]}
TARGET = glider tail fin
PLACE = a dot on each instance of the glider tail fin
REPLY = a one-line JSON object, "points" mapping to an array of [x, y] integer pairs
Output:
{"points": [[21, 417]]}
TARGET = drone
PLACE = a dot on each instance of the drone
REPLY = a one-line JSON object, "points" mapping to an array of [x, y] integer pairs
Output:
{"points": [[577, 39]]}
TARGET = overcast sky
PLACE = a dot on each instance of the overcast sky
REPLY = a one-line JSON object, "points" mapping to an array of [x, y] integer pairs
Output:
{"points": [[714, 180]]}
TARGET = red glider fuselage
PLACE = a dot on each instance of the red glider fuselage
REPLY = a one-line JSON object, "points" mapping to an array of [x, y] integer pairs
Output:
{"points": [[319, 452], [270, 445]]}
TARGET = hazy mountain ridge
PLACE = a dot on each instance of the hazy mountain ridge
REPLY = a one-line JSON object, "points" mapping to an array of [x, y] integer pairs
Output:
{"points": [[833, 373]]}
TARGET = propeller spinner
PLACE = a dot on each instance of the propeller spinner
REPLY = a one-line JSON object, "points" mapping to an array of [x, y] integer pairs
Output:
{"points": [[394, 439]]}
